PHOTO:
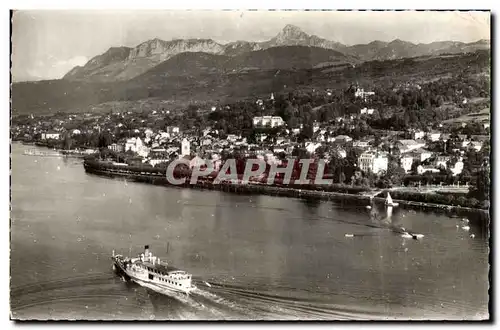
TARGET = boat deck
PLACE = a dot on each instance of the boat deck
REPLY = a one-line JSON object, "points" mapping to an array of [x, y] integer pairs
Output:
{"points": [[161, 268]]}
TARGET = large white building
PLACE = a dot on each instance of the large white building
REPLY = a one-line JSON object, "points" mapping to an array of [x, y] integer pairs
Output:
{"points": [[268, 121], [372, 161]]}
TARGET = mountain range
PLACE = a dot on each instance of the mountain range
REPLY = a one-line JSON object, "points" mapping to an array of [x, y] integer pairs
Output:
{"points": [[292, 49]]}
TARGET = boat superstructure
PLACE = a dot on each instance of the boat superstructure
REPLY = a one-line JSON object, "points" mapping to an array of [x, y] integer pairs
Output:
{"points": [[150, 269]]}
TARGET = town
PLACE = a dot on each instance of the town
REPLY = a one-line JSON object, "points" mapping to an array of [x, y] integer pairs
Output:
{"points": [[414, 151]]}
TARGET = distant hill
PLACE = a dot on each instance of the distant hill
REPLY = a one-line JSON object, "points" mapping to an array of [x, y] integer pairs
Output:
{"points": [[277, 58], [191, 77], [124, 63]]}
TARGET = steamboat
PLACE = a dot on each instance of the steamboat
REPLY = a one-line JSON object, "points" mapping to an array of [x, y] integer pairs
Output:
{"points": [[149, 269]]}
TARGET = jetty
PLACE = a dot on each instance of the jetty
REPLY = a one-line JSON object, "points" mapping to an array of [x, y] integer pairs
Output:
{"points": [[38, 153]]}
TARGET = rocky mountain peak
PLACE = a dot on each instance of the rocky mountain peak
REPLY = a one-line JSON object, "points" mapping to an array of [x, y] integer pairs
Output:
{"points": [[291, 32]]}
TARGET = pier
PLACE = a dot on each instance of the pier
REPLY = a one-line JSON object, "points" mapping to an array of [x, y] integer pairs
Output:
{"points": [[38, 153]]}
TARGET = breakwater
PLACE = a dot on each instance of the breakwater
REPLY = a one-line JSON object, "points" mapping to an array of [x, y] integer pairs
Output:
{"points": [[158, 177], [250, 188]]}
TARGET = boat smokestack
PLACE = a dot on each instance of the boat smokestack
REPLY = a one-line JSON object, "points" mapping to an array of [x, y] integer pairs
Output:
{"points": [[146, 251]]}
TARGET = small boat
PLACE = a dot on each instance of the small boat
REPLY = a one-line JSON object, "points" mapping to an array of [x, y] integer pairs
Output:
{"points": [[349, 235], [149, 269], [406, 235], [466, 228], [389, 202]]}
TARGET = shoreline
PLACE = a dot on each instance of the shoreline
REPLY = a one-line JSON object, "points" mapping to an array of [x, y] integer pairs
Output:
{"points": [[256, 189]]}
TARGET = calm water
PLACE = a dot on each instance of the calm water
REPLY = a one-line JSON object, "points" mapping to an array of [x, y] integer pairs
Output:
{"points": [[264, 257]]}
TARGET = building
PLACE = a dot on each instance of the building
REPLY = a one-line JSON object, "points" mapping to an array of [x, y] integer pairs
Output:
{"points": [[51, 136], [232, 137], [366, 111], [316, 127], [136, 145], [342, 139], [268, 121], [173, 130], [420, 154], [423, 169], [312, 146], [361, 144], [407, 162], [148, 132], [360, 93], [477, 145], [117, 147], [417, 135], [434, 136], [409, 145], [185, 147], [372, 161], [441, 161]]}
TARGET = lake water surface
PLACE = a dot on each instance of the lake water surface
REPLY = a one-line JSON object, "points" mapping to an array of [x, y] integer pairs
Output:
{"points": [[264, 257]]}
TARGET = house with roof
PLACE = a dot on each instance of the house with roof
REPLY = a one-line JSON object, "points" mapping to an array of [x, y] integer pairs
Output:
{"points": [[421, 154], [342, 139], [418, 134], [476, 145], [312, 146], [409, 145], [433, 136], [361, 144]]}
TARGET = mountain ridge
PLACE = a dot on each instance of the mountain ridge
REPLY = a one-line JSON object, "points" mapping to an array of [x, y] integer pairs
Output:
{"points": [[124, 63]]}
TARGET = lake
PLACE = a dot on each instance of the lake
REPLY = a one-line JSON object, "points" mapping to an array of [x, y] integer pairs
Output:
{"points": [[264, 257]]}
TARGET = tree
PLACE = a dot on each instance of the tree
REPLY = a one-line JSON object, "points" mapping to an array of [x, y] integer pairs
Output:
{"points": [[104, 140], [481, 190], [67, 141]]}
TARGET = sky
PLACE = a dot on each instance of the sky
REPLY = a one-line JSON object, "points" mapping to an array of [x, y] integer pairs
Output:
{"points": [[46, 44]]}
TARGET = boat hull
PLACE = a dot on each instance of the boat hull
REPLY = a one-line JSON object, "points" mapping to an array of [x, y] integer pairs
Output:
{"points": [[119, 268]]}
